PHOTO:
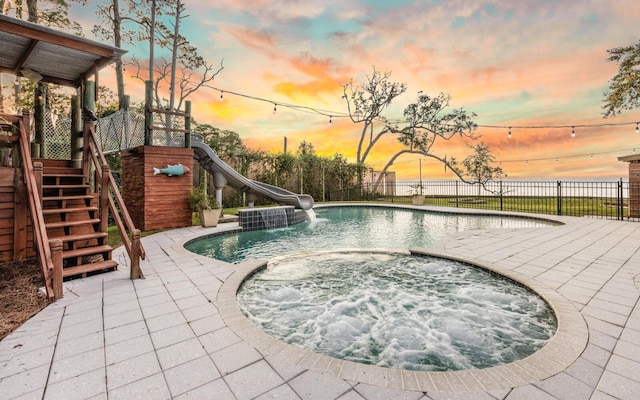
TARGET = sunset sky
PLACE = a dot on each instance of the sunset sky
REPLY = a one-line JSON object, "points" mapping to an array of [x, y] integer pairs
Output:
{"points": [[514, 63]]}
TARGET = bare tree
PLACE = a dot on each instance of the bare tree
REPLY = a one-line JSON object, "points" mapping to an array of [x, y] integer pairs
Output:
{"points": [[185, 73], [426, 121], [366, 103], [479, 167]]}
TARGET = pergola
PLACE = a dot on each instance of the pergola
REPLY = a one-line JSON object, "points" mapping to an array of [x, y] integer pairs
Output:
{"points": [[32, 51]]}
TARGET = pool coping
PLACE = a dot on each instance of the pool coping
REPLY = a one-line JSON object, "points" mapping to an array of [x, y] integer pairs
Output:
{"points": [[556, 356]]}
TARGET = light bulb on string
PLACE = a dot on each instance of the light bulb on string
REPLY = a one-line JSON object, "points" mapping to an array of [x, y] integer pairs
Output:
{"points": [[557, 160], [637, 128], [221, 95], [526, 162], [591, 157], [509, 135], [330, 120], [573, 131], [275, 109]]}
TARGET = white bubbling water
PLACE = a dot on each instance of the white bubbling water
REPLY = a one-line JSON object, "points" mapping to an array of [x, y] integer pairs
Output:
{"points": [[397, 310]]}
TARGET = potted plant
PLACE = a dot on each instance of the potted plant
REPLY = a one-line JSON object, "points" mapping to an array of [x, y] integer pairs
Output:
{"points": [[417, 198], [200, 203]]}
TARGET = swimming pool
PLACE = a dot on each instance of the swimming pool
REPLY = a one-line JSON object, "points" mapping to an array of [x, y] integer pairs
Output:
{"points": [[352, 227]]}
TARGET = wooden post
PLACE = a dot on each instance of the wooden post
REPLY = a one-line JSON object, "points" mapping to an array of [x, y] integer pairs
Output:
{"points": [[37, 171], [136, 272], [187, 124], [56, 256], [126, 104], [39, 109], [104, 198], [20, 207], [89, 95], [76, 132], [148, 117]]}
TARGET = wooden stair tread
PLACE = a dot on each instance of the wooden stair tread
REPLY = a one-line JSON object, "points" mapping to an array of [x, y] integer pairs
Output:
{"points": [[84, 268], [48, 174], [65, 186], [71, 197], [86, 251], [80, 236], [48, 211], [62, 224]]}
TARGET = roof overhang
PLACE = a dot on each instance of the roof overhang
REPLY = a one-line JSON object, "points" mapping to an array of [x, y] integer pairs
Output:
{"points": [[631, 158], [58, 57]]}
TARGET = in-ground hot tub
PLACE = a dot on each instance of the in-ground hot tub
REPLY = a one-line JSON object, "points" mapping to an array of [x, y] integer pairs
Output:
{"points": [[397, 310]]}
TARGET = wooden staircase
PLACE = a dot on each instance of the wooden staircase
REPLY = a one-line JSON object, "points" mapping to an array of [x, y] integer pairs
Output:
{"points": [[71, 214]]}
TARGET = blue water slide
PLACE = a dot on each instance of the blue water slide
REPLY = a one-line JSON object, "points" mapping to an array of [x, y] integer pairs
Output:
{"points": [[208, 159]]}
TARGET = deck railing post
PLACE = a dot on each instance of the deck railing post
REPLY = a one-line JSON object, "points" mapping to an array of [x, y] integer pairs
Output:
{"points": [[37, 172], [56, 275], [501, 197], [104, 198], [457, 192]]}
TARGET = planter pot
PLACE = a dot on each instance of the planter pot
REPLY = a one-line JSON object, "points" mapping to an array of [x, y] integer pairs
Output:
{"points": [[417, 200], [210, 218]]}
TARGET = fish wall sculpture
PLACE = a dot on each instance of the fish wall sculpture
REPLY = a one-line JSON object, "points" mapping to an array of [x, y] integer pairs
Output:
{"points": [[172, 170]]}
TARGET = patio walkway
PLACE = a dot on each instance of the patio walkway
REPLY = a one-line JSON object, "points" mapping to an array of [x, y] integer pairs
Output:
{"points": [[173, 335]]}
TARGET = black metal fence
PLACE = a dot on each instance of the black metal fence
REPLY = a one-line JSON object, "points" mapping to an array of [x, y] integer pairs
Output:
{"points": [[599, 199]]}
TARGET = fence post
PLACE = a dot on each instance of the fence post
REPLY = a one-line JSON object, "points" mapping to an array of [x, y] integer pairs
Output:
{"points": [[187, 124], [148, 116], [501, 196], [559, 198], [620, 202], [457, 194]]}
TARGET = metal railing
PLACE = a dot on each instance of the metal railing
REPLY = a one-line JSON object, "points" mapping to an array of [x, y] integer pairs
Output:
{"points": [[597, 198]]}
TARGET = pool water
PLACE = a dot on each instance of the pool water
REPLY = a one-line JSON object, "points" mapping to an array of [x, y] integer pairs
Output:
{"points": [[352, 227], [397, 310]]}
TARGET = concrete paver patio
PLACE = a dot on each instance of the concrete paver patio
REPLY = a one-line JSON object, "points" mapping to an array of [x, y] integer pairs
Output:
{"points": [[176, 334]]}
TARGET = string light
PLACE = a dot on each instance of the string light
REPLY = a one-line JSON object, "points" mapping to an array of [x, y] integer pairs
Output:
{"points": [[558, 159], [336, 114], [275, 109], [573, 131], [526, 162], [330, 120], [221, 95], [509, 136]]}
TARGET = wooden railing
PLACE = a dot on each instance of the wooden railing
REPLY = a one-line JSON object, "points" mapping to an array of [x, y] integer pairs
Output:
{"points": [[111, 199], [52, 278]]}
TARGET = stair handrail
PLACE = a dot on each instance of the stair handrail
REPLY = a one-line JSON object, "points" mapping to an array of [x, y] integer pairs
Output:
{"points": [[93, 153], [35, 206]]}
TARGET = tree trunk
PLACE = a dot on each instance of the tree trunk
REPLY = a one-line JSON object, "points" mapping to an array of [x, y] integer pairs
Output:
{"points": [[32, 8], [152, 37], [117, 41]]}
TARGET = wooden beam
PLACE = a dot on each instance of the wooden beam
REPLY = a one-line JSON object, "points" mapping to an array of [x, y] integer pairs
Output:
{"points": [[60, 39], [25, 55]]}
